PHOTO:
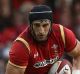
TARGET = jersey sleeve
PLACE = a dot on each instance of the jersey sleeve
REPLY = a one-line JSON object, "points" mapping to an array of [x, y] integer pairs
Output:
{"points": [[70, 40], [19, 54]]}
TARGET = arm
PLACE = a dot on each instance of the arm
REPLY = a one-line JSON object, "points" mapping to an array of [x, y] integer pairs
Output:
{"points": [[72, 47], [75, 53], [10, 69], [18, 59]]}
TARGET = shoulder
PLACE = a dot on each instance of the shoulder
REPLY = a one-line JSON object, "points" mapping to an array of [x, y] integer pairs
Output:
{"points": [[56, 29], [18, 47], [55, 26]]}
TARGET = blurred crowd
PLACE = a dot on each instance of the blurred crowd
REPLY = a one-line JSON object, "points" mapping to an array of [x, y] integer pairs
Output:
{"points": [[14, 19]]}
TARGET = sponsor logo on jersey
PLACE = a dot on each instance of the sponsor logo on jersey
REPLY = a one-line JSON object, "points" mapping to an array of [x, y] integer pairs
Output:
{"points": [[36, 55], [45, 62]]}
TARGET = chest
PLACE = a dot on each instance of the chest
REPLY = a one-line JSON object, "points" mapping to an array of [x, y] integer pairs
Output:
{"points": [[46, 53]]}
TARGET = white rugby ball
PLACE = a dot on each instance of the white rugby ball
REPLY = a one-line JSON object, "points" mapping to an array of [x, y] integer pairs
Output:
{"points": [[61, 67]]}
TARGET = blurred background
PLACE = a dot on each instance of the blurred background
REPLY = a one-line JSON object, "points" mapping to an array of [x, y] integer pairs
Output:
{"points": [[14, 19]]}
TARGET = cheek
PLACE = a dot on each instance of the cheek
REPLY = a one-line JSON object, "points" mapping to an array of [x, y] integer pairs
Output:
{"points": [[35, 31], [47, 29]]}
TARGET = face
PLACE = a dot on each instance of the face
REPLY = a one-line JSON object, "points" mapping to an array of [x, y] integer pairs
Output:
{"points": [[41, 29]]}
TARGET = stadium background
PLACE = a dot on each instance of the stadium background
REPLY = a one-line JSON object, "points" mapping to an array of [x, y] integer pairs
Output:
{"points": [[14, 18]]}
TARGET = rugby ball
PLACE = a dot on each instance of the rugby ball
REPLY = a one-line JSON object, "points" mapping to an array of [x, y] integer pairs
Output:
{"points": [[61, 67]]}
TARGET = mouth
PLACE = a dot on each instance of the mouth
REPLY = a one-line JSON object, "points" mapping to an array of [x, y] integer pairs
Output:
{"points": [[41, 36]]}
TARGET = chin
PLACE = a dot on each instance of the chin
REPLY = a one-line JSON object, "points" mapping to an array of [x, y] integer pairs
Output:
{"points": [[41, 40]]}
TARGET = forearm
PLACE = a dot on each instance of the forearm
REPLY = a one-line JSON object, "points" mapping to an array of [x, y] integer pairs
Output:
{"points": [[14, 70], [76, 63]]}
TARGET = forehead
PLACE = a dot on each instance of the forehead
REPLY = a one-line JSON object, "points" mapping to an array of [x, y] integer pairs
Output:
{"points": [[41, 21]]}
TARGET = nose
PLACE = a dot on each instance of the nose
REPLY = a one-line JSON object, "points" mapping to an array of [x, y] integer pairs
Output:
{"points": [[41, 30]]}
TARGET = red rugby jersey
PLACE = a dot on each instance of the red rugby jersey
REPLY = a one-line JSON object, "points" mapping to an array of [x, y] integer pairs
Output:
{"points": [[42, 55]]}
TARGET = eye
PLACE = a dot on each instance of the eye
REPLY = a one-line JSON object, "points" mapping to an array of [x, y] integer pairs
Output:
{"points": [[45, 25], [36, 24]]}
